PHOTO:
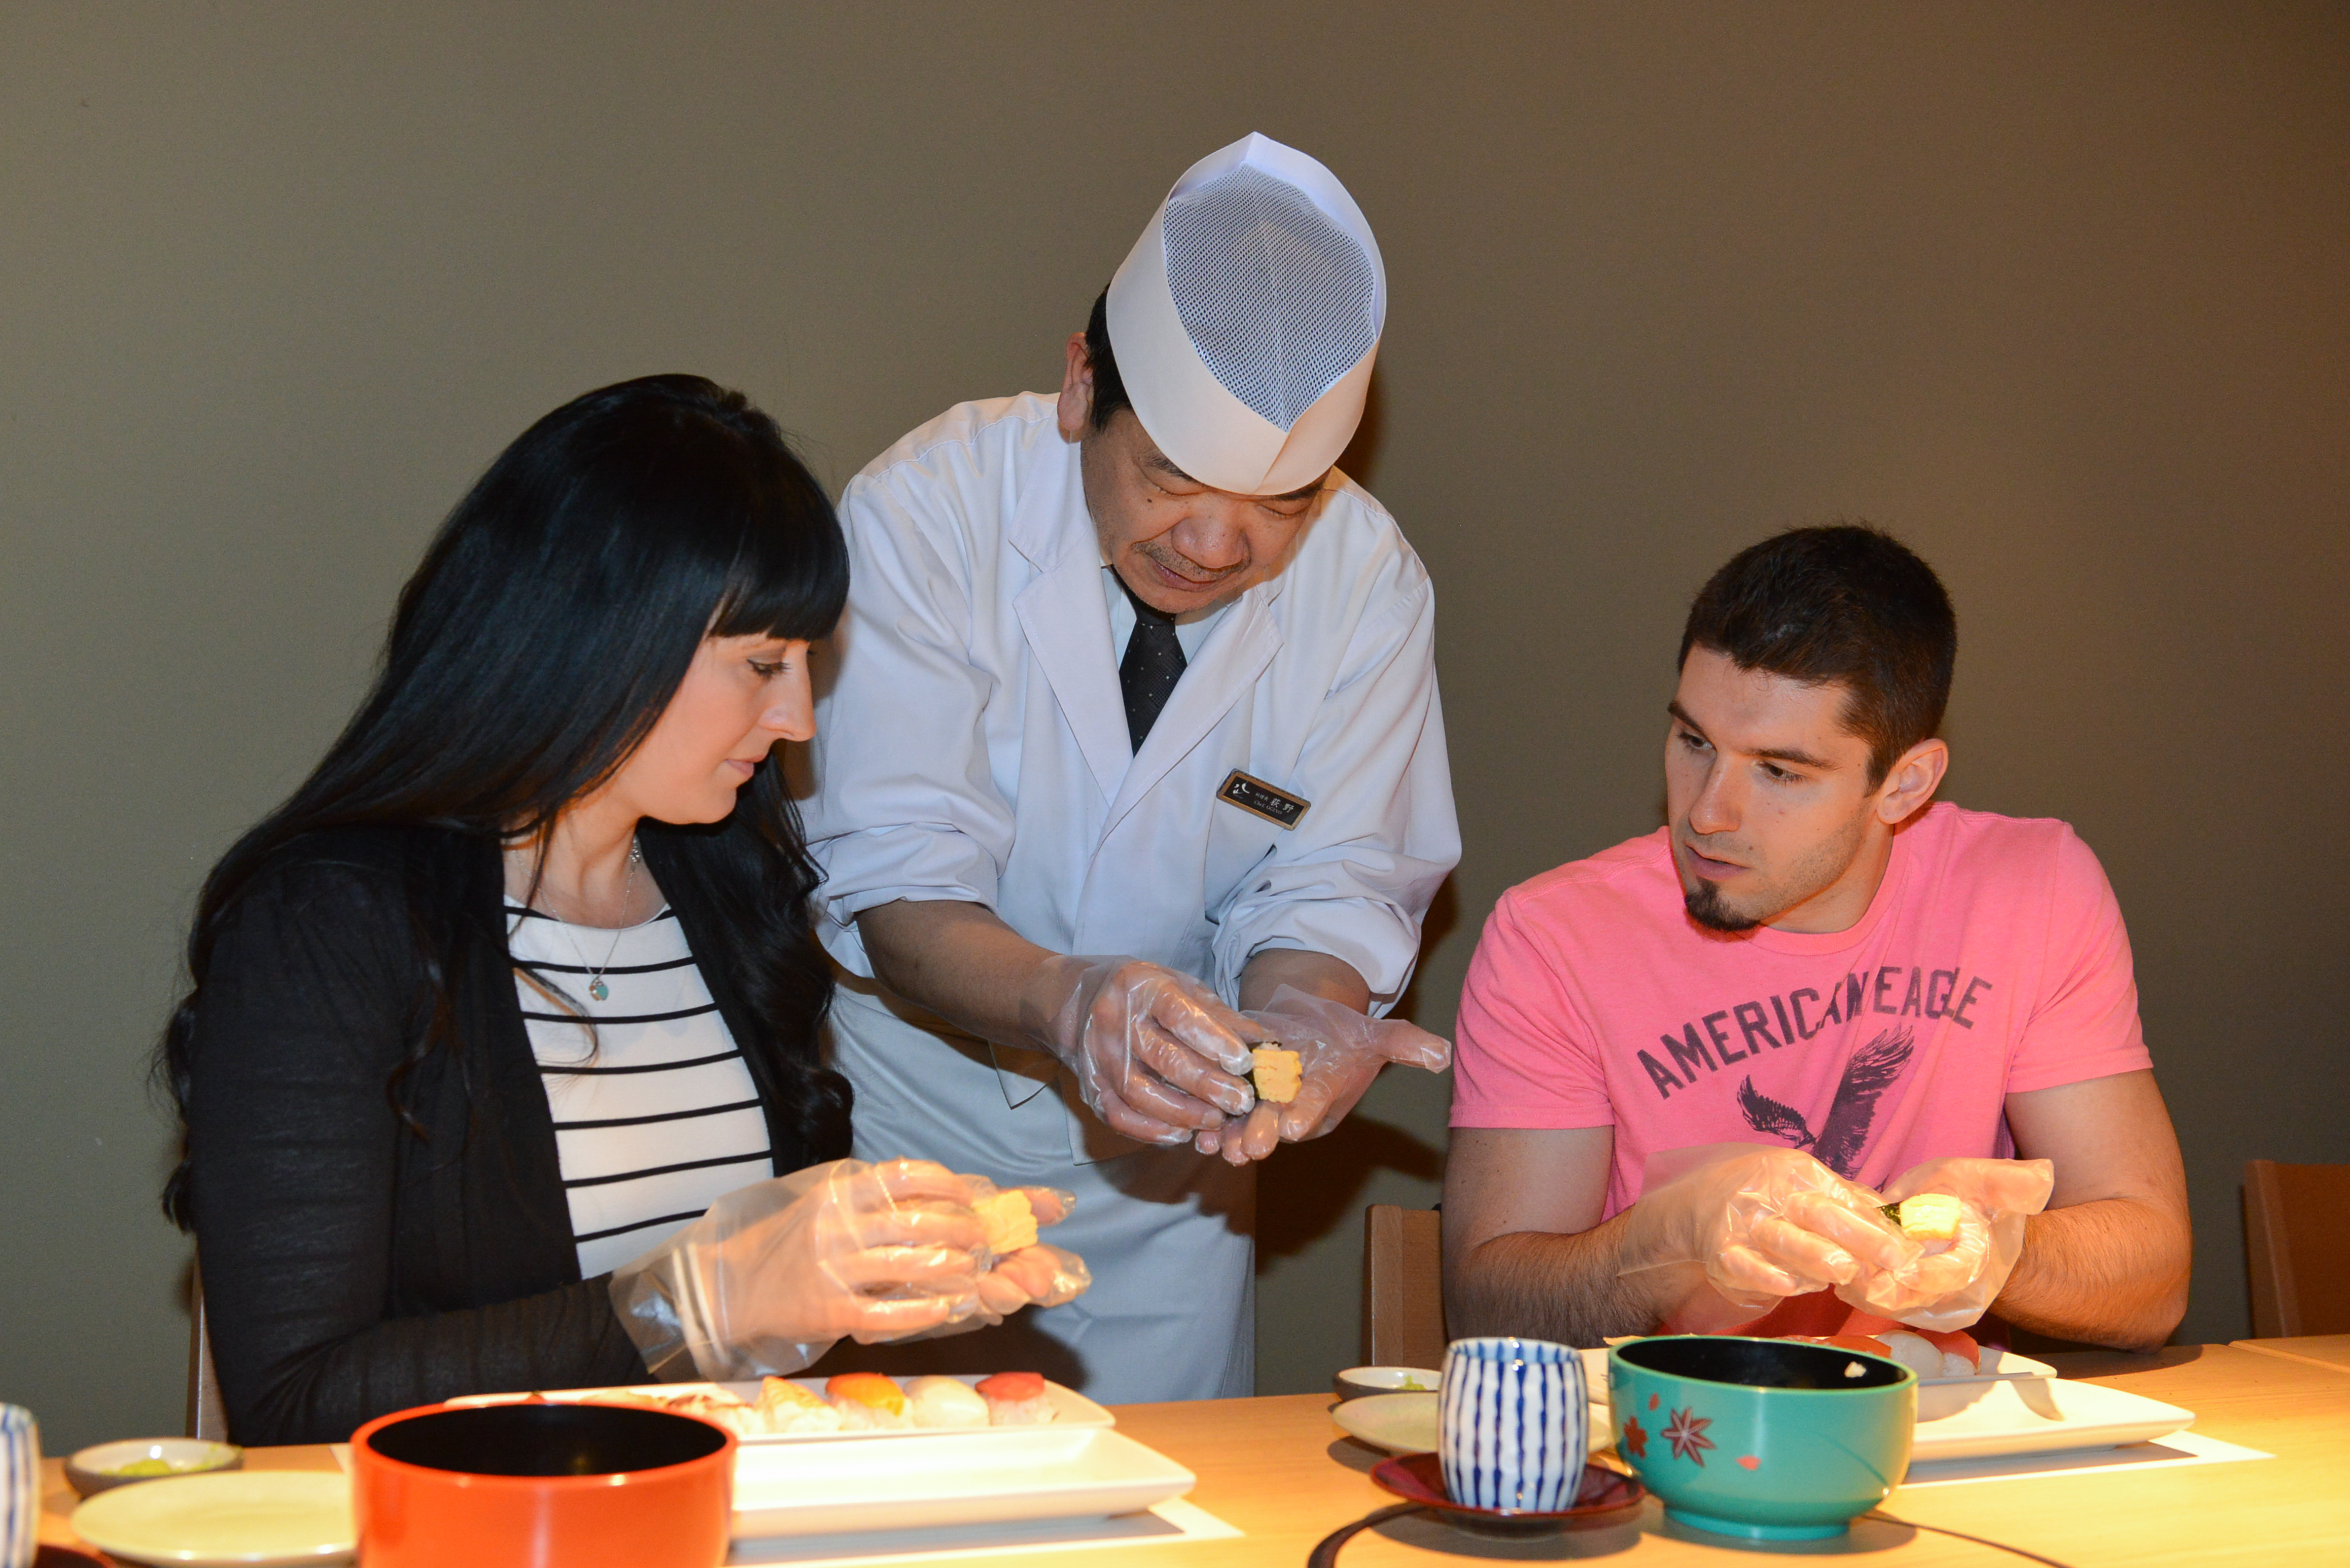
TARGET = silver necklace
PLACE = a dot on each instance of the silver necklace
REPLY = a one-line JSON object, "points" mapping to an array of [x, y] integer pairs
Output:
{"points": [[596, 986]]}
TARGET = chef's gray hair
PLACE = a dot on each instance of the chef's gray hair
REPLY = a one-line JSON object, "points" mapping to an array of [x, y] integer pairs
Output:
{"points": [[1110, 388]]}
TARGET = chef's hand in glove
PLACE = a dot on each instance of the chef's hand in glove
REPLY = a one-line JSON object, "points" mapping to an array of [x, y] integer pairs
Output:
{"points": [[1339, 1052], [1758, 1225], [1953, 1288], [776, 1272], [1155, 1053]]}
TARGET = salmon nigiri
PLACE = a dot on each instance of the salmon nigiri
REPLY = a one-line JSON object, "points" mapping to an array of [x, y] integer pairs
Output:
{"points": [[1929, 1352]]}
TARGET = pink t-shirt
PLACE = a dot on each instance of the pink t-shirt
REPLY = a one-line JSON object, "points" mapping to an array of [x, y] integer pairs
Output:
{"points": [[1992, 960]]}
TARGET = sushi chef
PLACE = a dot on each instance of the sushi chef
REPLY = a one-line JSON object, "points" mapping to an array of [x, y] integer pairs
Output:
{"points": [[1132, 760]]}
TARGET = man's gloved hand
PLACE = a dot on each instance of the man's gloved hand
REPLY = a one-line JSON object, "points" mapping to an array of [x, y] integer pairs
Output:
{"points": [[1761, 1224], [1155, 1053], [776, 1272], [1953, 1288], [1339, 1052]]}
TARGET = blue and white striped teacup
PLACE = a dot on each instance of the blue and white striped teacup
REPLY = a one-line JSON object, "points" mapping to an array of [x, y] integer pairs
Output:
{"points": [[1512, 1424], [20, 1488]]}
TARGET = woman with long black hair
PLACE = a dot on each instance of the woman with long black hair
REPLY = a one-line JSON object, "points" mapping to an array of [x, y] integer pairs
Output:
{"points": [[519, 982]]}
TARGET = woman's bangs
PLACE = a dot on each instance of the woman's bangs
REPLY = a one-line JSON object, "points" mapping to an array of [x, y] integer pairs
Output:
{"points": [[789, 578]]}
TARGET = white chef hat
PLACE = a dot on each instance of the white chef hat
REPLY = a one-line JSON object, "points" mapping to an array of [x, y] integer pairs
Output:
{"points": [[1245, 318]]}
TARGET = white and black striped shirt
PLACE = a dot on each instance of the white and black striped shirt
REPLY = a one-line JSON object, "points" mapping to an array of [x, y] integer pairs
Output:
{"points": [[655, 1113]]}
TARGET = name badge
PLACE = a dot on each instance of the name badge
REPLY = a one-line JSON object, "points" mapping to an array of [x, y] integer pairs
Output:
{"points": [[1261, 799]]}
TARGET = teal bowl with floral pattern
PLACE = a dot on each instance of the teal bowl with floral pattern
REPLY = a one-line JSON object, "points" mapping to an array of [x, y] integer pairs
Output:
{"points": [[1762, 1438]]}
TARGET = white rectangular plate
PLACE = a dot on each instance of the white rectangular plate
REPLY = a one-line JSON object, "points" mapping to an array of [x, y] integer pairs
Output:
{"points": [[2034, 1416], [954, 1477], [1070, 1408], [2013, 1410], [1995, 1364]]}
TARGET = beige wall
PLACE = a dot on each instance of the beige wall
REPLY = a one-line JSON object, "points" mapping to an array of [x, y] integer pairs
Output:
{"points": [[2056, 292]]}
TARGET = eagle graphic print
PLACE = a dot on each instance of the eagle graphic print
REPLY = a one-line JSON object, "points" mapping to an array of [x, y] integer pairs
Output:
{"points": [[1844, 1134]]}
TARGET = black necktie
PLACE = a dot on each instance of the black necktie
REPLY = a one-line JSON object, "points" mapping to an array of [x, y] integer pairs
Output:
{"points": [[1153, 663]]}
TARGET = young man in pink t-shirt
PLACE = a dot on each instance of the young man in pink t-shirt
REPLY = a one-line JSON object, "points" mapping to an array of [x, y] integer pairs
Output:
{"points": [[1813, 958]]}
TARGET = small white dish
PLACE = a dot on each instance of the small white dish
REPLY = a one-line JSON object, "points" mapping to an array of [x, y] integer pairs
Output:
{"points": [[1393, 1423], [1363, 1382], [237, 1519], [99, 1468], [1412, 1423]]}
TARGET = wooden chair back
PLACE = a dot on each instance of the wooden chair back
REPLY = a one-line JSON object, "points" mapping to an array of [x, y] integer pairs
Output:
{"points": [[2297, 1243], [207, 1417], [1403, 1287]]}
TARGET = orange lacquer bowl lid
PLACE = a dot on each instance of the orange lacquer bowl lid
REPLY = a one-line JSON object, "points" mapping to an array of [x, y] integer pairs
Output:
{"points": [[565, 1486]]}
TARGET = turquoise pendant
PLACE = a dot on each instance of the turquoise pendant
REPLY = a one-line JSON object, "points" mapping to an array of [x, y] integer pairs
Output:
{"points": [[598, 990]]}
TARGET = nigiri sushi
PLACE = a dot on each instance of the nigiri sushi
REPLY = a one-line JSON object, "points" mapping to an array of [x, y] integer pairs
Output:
{"points": [[790, 1408], [1277, 1072], [1016, 1400], [1929, 1352], [721, 1408], [1929, 1219], [945, 1402], [1009, 1219], [867, 1402]]}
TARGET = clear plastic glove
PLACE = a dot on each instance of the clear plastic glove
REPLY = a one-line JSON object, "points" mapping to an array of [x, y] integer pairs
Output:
{"points": [[1339, 1052], [778, 1272], [1758, 1225], [1038, 1274], [1155, 1053], [1953, 1288]]}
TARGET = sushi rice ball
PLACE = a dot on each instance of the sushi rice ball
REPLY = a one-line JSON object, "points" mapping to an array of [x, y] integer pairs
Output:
{"points": [[867, 1402], [945, 1402], [721, 1408], [1016, 1400], [791, 1409]]}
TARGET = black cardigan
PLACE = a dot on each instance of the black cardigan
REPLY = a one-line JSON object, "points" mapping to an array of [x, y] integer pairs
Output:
{"points": [[351, 1267]]}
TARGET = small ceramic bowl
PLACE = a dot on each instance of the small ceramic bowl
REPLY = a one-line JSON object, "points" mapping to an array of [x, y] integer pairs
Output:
{"points": [[1759, 1437], [587, 1486], [1362, 1382], [100, 1469]]}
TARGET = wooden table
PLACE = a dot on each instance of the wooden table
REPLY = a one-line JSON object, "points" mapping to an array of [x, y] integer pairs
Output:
{"points": [[1278, 1470], [2323, 1349]]}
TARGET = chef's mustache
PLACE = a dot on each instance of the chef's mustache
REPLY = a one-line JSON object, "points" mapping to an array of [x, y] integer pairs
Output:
{"points": [[1184, 566]]}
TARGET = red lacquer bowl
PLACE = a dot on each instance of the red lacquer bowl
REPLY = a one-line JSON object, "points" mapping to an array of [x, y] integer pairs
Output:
{"points": [[585, 1486], [1419, 1478]]}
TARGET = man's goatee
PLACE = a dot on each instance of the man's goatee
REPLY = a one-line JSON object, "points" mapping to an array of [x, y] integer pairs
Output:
{"points": [[1705, 906]]}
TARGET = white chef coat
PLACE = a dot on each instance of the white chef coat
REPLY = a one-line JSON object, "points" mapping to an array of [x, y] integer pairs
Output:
{"points": [[972, 744]]}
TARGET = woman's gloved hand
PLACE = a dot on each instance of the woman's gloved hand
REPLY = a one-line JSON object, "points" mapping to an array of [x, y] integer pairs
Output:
{"points": [[1758, 1225], [1021, 1272], [1339, 1052], [1155, 1053], [1953, 1288], [1043, 1275], [776, 1272], [1036, 1274]]}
